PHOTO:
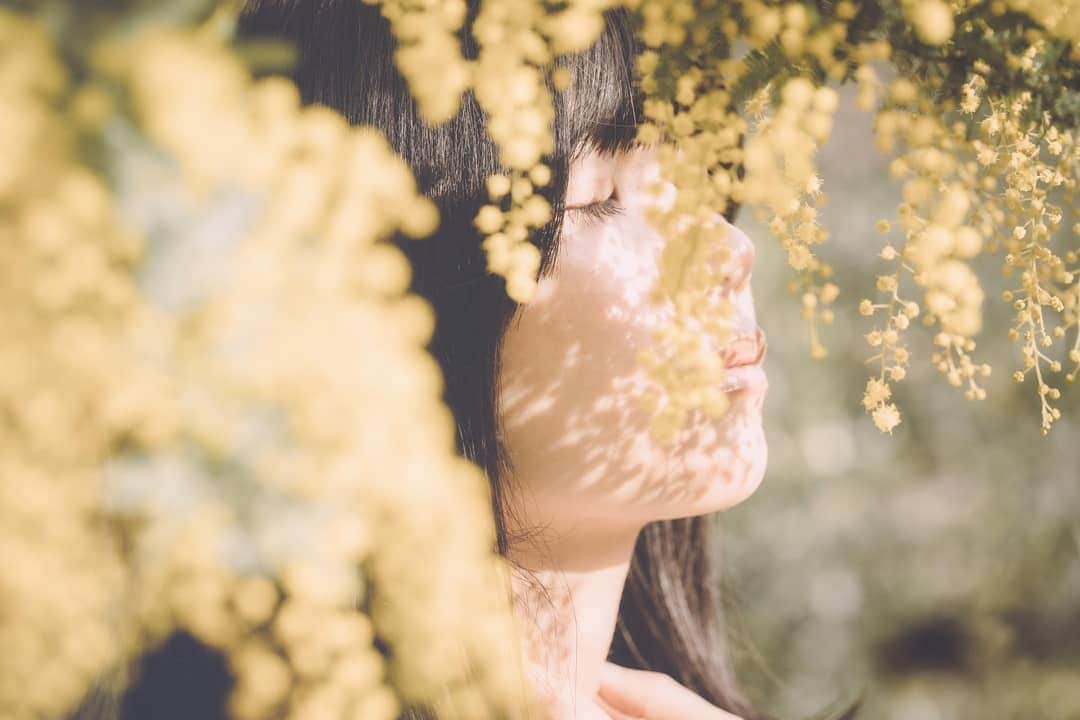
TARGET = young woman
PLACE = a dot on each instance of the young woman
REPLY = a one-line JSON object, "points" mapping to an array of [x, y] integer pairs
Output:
{"points": [[609, 531], [608, 528]]}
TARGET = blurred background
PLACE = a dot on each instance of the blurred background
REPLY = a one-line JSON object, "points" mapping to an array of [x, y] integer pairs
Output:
{"points": [[937, 570]]}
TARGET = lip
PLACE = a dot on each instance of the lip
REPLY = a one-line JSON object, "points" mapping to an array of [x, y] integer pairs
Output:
{"points": [[745, 377], [745, 350], [743, 363]]}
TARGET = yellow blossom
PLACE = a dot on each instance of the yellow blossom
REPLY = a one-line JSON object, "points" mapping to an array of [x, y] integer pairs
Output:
{"points": [[886, 417], [876, 393], [933, 20]]}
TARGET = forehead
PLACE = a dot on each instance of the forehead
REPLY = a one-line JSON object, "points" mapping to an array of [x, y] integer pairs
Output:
{"points": [[591, 176], [594, 173]]}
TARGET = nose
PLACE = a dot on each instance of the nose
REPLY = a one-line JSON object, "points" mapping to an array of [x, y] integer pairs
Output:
{"points": [[736, 268]]}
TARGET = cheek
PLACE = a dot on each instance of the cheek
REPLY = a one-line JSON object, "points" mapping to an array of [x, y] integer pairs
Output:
{"points": [[571, 388]]}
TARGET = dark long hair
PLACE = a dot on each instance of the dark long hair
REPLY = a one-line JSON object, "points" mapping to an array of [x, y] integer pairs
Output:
{"points": [[669, 618]]}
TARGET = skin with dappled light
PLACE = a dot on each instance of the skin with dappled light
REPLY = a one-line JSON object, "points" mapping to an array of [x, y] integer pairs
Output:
{"points": [[588, 475]]}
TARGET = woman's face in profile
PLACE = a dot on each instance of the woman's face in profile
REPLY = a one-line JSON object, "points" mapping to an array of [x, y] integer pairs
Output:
{"points": [[570, 385]]}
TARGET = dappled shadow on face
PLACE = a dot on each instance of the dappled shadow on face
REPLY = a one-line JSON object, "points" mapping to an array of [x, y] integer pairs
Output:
{"points": [[570, 393]]}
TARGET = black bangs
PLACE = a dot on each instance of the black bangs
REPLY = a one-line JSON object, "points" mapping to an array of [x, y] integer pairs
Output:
{"points": [[602, 108]]}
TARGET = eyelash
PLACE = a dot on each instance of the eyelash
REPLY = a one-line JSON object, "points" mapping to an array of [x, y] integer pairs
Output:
{"points": [[599, 211]]}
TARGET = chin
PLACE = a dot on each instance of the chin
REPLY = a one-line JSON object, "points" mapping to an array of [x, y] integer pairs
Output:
{"points": [[717, 464], [733, 485]]}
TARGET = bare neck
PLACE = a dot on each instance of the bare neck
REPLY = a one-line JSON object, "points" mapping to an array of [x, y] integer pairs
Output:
{"points": [[566, 601]]}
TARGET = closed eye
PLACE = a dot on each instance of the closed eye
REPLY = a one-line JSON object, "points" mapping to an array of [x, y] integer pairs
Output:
{"points": [[597, 212]]}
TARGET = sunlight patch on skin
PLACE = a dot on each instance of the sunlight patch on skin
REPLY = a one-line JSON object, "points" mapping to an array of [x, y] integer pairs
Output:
{"points": [[572, 354], [594, 474], [537, 405]]}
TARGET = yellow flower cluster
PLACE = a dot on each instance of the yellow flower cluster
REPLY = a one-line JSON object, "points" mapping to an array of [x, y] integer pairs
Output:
{"points": [[691, 112], [932, 19], [1035, 162], [1061, 18], [939, 240], [781, 179], [66, 290], [309, 370], [428, 55], [952, 208], [707, 138], [955, 209], [517, 39], [269, 445], [701, 137]]}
